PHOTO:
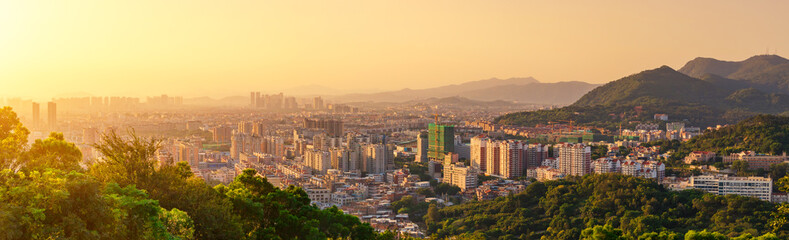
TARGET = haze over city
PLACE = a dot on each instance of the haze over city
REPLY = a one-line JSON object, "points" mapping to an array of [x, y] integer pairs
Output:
{"points": [[219, 49]]}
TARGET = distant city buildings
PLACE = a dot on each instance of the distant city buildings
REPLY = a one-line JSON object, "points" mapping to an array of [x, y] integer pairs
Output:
{"points": [[52, 116], [331, 127]]}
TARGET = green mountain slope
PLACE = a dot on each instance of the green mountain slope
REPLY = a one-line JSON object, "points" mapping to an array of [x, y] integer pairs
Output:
{"points": [[762, 133], [708, 101], [662, 83]]}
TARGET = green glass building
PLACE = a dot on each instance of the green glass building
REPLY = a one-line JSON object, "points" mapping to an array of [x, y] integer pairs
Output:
{"points": [[441, 140]]}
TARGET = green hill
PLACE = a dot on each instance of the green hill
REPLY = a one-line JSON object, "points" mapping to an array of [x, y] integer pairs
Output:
{"points": [[563, 209], [708, 101], [660, 84], [762, 133]]}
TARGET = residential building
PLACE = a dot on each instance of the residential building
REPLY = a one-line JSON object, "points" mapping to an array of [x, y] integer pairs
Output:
{"points": [[757, 187]]}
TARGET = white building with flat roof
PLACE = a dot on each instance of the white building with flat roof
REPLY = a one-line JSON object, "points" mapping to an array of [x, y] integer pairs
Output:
{"points": [[757, 187]]}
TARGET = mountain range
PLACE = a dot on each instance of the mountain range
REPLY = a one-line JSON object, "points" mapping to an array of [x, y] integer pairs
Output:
{"points": [[523, 90], [704, 92]]}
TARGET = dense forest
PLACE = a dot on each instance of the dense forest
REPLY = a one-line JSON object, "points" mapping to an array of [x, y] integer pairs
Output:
{"points": [[609, 206], [46, 194], [636, 98]]}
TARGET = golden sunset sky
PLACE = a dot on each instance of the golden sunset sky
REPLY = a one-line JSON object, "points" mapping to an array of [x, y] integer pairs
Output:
{"points": [[224, 48]]}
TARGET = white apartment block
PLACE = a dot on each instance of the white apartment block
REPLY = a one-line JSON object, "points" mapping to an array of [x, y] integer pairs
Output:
{"points": [[757, 187]]}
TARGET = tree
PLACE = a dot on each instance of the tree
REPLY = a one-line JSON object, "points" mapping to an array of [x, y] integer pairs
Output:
{"points": [[432, 217], [270, 213], [53, 152], [605, 232], [664, 235], [445, 188], [778, 171], [126, 161], [13, 138], [704, 235], [740, 166], [57, 205]]}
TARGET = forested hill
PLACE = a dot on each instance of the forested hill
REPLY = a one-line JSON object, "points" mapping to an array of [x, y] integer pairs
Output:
{"points": [[662, 84], [762, 134], [629, 207], [636, 98], [768, 73]]}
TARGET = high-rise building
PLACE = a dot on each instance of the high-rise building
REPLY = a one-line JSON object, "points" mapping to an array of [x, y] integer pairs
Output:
{"points": [[221, 134], [317, 103], [375, 158], [479, 153], [187, 152], [245, 127], [441, 140], [36, 114], [331, 127], [535, 154], [511, 160], [421, 147], [574, 159], [318, 160], [52, 117], [236, 145], [492, 158]]}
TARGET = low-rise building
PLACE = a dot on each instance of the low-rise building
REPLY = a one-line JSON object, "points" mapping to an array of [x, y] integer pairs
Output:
{"points": [[757, 187]]}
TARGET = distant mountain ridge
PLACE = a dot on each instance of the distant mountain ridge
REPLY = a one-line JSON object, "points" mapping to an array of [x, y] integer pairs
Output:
{"points": [[524, 90], [704, 100], [768, 73]]}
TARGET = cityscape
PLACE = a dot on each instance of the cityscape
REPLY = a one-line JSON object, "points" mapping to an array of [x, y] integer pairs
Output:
{"points": [[662, 150]]}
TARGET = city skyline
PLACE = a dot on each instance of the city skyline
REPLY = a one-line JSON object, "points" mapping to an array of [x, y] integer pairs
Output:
{"points": [[221, 49]]}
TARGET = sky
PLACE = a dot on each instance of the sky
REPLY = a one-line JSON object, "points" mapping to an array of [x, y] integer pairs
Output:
{"points": [[224, 48]]}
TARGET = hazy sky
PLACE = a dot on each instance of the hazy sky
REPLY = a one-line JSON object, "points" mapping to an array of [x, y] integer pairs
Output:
{"points": [[222, 48]]}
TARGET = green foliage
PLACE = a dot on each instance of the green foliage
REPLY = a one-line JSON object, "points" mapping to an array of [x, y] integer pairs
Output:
{"points": [[704, 235], [125, 161], [54, 204], [53, 152], [446, 188], [599, 151], [762, 134], [270, 213], [636, 206], [13, 138], [602, 233], [126, 196]]}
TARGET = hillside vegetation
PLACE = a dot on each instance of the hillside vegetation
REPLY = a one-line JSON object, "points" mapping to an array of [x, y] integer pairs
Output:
{"points": [[637, 207]]}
